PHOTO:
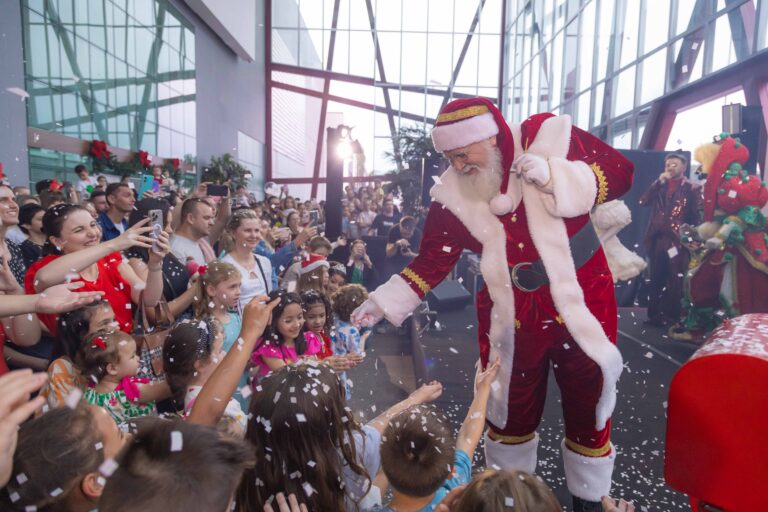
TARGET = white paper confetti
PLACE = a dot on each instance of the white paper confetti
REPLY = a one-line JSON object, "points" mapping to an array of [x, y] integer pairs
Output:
{"points": [[672, 252], [108, 467], [177, 441], [732, 194]]}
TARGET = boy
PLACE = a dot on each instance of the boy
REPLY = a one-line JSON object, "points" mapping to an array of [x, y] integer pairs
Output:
{"points": [[418, 456], [177, 465]]}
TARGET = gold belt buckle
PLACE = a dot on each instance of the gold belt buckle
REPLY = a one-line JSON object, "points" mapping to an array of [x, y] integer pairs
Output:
{"points": [[513, 275]]}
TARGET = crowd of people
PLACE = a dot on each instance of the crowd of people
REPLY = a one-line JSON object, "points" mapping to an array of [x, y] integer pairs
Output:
{"points": [[191, 353]]}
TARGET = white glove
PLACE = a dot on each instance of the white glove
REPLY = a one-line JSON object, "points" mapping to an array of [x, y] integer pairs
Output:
{"points": [[533, 168], [367, 315]]}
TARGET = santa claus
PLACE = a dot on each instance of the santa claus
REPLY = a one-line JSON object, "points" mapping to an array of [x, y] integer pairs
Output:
{"points": [[521, 195]]}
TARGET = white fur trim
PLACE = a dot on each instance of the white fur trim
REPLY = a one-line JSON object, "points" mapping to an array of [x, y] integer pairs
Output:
{"points": [[574, 188], [314, 265], [510, 457], [396, 298], [551, 240], [482, 224], [553, 138], [465, 132], [588, 478], [501, 204]]}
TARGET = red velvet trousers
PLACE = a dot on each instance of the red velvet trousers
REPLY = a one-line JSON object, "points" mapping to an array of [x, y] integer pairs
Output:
{"points": [[542, 339]]}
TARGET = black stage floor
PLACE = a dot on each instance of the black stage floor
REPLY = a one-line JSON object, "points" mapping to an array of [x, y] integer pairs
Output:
{"points": [[639, 421]]}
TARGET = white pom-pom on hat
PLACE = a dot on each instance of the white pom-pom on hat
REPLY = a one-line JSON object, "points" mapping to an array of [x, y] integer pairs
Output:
{"points": [[501, 204]]}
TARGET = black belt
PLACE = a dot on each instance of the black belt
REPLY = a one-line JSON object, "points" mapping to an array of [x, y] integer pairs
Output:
{"points": [[529, 276]]}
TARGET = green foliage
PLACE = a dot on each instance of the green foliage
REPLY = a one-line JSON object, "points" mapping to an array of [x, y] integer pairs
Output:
{"points": [[225, 168], [412, 144]]}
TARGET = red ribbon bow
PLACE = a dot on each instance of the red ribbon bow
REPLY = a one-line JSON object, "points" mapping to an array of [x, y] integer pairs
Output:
{"points": [[201, 270], [55, 186], [99, 343]]}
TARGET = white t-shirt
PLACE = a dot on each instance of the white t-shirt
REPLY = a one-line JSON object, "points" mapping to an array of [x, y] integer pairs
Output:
{"points": [[252, 282], [365, 218], [184, 248], [15, 235], [82, 186]]}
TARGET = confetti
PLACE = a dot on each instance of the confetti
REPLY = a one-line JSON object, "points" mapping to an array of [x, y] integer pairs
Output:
{"points": [[108, 467], [21, 478], [649, 355], [509, 501], [446, 248], [245, 391], [177, 441], [301, 418], [672, 252]]}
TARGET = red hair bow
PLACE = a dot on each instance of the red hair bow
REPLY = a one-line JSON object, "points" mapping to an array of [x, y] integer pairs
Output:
{"points": [[55, 186], [202, 270], [99, 343]]}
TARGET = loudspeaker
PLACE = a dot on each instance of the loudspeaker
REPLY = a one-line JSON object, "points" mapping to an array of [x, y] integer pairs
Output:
{"points": [[449, 295]]}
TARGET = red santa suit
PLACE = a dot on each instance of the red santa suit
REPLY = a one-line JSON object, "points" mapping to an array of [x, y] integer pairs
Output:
{"points": [[571, 322]]}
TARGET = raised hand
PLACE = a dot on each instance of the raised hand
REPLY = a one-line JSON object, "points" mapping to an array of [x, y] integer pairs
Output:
{"points": [[15, 408], [135, 236], [367, 314], [427, 393], [62, 298]]}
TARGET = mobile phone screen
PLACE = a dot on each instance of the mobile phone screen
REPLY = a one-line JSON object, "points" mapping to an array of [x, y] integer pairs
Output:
{"points": [[217, 190]]}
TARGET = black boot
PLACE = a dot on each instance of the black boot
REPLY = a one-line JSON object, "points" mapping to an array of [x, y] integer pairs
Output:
{"points": [[580, 505]]}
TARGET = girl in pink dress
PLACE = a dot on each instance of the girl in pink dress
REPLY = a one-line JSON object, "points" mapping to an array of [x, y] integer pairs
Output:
{"points": [[285, 339]]}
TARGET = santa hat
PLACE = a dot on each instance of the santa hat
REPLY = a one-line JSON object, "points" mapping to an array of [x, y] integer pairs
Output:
{"points": [[470, 120], [731, 151], [312, 262]]}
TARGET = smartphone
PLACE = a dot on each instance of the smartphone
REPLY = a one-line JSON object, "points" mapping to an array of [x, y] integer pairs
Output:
{"points": [[156, 223], [147, 184], [217, 190], [314, 216]]}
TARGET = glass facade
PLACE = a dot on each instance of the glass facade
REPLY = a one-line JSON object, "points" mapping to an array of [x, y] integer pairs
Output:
{"points": [[381, 65], [605, 62], [114, 70]]}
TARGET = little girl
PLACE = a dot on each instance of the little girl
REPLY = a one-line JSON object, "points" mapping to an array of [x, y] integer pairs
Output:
{"points": [[74, 326], [318, 315], [347, 339], [220, 300], [191, 352], [285, 339], [109, 362], [219, 296]]}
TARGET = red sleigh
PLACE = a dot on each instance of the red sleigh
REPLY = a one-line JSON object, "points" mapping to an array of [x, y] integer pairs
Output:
{"points": [[716, 450]]}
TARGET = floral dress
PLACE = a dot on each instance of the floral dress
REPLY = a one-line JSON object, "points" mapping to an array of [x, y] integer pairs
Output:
{"points": [[122, 403]]}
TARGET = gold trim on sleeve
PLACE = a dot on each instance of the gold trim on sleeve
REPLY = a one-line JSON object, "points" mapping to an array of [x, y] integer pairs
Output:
{"points": [[588, 452], [602, 184], [463, 113], [417, 280]]}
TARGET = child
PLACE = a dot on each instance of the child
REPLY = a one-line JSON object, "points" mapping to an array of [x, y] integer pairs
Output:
{"points": [[109, 362], [507, 491], [74, 326], [176, 465], [219, 296], [330, 472], [346, 337], [191, 352], [418, 457], [285, 339], [337, 276], [317, 312]]}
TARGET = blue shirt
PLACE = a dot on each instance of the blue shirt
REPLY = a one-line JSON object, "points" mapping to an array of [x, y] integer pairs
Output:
{"points": [[462, 474], [108, 229], [283, 257]]}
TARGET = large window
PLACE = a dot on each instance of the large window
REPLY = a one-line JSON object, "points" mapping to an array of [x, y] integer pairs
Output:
{"points": [[122, 72], [383, 65], [608, 60]]}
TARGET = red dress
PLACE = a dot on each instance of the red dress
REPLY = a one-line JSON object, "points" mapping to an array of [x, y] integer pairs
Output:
{"points": [[116, 290]]}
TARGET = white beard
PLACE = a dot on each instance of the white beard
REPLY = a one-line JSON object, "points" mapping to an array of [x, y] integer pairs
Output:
{"points": [[486, 182]]}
